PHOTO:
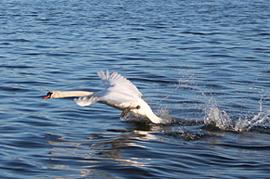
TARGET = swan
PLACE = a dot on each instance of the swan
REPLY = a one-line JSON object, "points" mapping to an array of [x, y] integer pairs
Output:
{"points": [[119, 93]]}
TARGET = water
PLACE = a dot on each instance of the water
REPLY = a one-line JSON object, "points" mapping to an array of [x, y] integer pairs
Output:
{"points": [[204, 64]]}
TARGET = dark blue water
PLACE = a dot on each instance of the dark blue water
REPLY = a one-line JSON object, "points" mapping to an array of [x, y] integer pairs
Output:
{"points": [[206, 64]]}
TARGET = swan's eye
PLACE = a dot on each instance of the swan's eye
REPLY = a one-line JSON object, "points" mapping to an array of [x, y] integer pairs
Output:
{"points": [[138, 107]]}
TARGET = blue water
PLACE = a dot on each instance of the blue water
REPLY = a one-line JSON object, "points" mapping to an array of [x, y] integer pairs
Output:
{"points": [[205, 64]]}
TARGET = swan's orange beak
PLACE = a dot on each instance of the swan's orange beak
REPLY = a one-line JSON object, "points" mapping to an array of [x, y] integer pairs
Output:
{"points": [[48, 96]]}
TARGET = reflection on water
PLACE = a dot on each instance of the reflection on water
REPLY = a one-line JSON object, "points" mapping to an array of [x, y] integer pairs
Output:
{"points": [[128, 150], [98, 148]]}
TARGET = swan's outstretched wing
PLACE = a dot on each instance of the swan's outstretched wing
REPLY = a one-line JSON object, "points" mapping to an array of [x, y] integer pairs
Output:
{"points": [[119, 92], [115, 99], [116, 82]]}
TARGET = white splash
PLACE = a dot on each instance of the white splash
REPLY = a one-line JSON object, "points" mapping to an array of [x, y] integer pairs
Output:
{"points": [[164, 113], [262, 118], [220, 119]]}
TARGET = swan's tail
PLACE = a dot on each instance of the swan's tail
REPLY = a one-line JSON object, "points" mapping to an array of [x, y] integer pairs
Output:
{"points": [[86, 100]]}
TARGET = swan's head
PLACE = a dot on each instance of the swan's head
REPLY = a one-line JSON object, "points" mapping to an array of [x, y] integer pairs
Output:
{"points": [[51, 94]]}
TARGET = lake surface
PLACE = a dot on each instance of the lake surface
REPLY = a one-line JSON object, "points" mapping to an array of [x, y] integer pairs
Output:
{"points": [[203, 64]]}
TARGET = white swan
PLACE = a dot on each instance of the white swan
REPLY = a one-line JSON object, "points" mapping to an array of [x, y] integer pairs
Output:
{"points": [[119, 93]]}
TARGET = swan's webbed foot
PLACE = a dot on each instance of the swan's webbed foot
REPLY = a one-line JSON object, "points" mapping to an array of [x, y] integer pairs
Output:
{"points": [[125, 112]]}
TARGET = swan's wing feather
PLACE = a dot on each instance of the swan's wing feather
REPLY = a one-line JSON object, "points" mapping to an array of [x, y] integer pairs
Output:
{"points": [[118, 100], [104, 75], [114, 99], [115, 81], [86, 100], [119, 92]]}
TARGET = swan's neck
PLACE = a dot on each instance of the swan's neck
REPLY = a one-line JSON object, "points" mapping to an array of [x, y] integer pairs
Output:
{"points": [[66, 94]]}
